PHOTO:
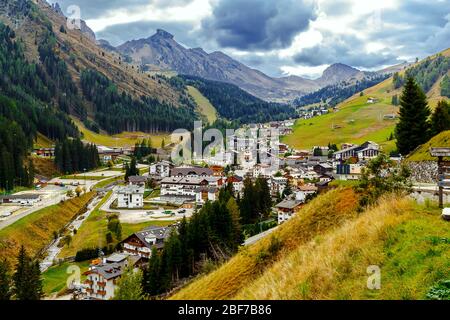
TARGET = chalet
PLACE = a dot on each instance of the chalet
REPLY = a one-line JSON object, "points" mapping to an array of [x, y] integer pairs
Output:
{"points": [[20, 199], [141, 243], [131, 197], [185, 189], [237, 183], [191, 172], [367, 150], [137, 180], [161, 169], [109, 154], [286, 209], [102, 276], [304, 191], [372, 100], [323, 168]]}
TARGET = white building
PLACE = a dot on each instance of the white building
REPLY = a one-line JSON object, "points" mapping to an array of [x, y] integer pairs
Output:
{"points": [[161, 169], [188, 189], [131, 197], [21, 199], [102, 277], [286, 209]]}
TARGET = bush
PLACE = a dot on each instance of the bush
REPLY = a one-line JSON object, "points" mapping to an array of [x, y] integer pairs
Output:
{"points": [[86, 254], [440, 291]]}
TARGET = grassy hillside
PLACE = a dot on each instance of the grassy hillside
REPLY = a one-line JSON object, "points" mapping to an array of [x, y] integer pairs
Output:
{"points": [[329, 260], [423, 152], [45, 167], [205, 107], [356, 121], [321, 215], [124, 139], [36, 230]]}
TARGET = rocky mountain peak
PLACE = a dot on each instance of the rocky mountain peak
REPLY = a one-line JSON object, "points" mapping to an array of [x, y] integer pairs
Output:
{"points": [[160, 33]]}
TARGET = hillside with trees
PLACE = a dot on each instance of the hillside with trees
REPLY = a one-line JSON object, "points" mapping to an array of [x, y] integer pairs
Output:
{"points": [[332, 95], [233, 103]]}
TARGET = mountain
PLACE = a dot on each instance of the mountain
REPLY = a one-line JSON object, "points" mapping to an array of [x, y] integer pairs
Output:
{"points": [[84, 28], [161, 51], [75, 71], [338, 72]]}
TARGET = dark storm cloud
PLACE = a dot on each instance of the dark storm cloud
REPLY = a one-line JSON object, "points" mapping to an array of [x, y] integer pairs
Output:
{"points": [[258, 24], [345, 49]]}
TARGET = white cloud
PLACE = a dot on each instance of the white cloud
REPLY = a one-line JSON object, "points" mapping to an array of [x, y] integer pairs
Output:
{"points": [[304, 71]]}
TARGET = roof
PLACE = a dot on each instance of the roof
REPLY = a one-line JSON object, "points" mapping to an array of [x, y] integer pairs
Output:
{"points": [[137, 179], [288, 204], [108, 270], [131, 189], [180, 180], [307, 188], [25, 196], [117, 257], [189, 171], [152, 232]]}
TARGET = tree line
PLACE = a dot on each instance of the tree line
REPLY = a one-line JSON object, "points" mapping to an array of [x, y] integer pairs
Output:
{"points": [[233, 103], [335, 94], [117, 112], [71, 156], [26, 108]]}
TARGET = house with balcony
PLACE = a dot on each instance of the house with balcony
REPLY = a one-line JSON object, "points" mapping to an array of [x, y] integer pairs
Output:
{"points": [[161, 169], [102, 276], [286, 209], [142, 243]]}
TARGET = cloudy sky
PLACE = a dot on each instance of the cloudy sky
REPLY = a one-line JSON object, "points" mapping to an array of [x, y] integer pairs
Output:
{"points": [[282, 37]]}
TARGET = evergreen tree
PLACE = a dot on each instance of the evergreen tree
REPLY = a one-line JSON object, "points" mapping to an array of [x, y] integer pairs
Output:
{"points": [[5, 281], [413, 129], [132, 169], [129, 286], [440, 119], [151, 279], [27, 278]]}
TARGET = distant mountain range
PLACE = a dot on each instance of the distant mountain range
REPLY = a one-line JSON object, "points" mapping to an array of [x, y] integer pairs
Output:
{"points": [[162, 52]]}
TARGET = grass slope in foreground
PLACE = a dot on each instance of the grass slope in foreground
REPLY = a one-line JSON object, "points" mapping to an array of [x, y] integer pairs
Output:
{"points": [[124, 139], [325, 250], [204, 106], [356, 121]]}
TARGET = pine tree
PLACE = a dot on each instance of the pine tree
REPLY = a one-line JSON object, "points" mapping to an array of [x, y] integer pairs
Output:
{"points": [[233, 209], [27, 278], [151, 279], [413, 128], [440, 119], [5, 281], [129, 286]]}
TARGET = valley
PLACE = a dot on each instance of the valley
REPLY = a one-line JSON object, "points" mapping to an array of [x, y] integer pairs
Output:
{"points": [[333, 185]]}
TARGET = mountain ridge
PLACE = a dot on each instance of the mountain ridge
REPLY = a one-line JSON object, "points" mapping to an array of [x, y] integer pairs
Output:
{"points": [[162, 51]]}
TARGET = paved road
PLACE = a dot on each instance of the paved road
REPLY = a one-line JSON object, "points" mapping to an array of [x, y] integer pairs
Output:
{"points": [[258, 237], [40, 205]]}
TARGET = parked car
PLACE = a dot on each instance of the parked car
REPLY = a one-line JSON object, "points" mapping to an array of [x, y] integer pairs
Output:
{"points": [[182, 211]]}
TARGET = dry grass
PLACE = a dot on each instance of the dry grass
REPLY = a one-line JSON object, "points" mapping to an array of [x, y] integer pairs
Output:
{"points": [[322, 214], [45, 167], [317, 269], [327, 249], [36, 230]]}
